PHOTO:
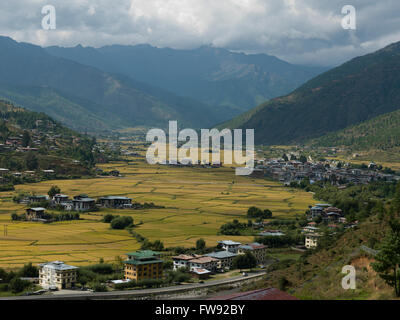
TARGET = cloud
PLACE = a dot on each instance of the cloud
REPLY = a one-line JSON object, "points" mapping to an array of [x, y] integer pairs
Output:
{"points": [[300, 31]]}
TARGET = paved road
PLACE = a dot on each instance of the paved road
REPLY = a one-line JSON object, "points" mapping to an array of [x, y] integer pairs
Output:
{"points": [[137, 293]]}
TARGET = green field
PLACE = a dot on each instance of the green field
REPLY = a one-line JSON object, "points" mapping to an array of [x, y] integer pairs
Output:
{"points": [[197, 202]]}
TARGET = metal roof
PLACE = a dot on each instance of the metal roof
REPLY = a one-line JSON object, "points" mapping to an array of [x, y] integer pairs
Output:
{"points": [[58, 265], [37, 209], [140, 262], [229, 242], [143, 253], [115, 198], [83, 200], [221, 254]]}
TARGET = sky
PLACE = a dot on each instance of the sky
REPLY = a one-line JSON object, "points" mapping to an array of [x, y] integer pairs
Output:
{"points": [[306, 32]]}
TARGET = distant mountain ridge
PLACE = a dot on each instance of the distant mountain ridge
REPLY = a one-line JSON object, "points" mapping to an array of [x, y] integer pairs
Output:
{"points": [[359, 90], [214, 76], [84, 97]]}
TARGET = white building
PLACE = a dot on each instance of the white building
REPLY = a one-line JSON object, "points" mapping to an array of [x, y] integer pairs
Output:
{"points": [[230, 245], [311, 240], [57, 275], [182, 261]]}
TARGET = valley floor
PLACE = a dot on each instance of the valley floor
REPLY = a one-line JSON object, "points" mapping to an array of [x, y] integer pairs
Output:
{"points": [[197, 202]]}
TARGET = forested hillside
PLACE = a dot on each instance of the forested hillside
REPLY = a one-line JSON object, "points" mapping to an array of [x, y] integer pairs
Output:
{"points": [[357, 91]]}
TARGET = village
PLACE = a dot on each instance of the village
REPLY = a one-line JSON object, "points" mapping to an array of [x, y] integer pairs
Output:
{"points": [[295, 171]]}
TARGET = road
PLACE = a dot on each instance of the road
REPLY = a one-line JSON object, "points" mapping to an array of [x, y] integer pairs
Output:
{"points": [[137, 293]]}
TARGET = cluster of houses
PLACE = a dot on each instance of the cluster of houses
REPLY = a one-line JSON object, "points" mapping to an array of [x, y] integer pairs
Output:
{"points": [[147, 264], [41, 132], [204, 265], [328, 214], [296, 171], [79, 203], [28, 173]]}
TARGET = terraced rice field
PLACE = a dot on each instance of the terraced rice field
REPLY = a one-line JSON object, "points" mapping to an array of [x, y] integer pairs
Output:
{"points": [[197, 202]]}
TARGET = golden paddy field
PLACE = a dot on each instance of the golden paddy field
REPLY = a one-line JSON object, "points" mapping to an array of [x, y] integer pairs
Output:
{"points": [[197, 202]]}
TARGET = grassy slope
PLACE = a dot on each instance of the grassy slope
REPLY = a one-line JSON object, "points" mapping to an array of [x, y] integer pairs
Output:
{"points": [[320, 276]]}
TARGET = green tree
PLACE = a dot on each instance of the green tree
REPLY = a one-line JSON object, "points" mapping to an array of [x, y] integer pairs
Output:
{"points": [[396, 198], [99, 287], [26, 139], [31, 161], [387, 263], [200, 245], [17, 285], [30, 271], [244, 261], [157, 245], [53, 191], [108, 218], [121, 223], [267, 214], [282, 283], [303, 159]]}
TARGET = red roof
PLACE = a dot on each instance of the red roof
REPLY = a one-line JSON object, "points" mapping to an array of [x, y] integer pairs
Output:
{"points": [[260, 294]]}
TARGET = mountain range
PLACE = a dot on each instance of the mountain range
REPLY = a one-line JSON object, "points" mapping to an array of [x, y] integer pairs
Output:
{"points": [[118, 87], [84, 97], [214, 76], [115, 87]]}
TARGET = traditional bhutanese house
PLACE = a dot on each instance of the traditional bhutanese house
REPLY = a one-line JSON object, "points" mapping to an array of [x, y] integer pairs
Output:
{"points": [[14, 141], [229, 245], [311, 240], [143, 264], [182, 261], [310, 229], [271, 233], [115, 202], [57, 275], [333, 209], [208, 263], [333, 226], [342, 220], [331, 216], [37, 214], [83, 203], [60, 198], [36, 199], [4, 171], [316, 212], [257, 249], [225, 259]]}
